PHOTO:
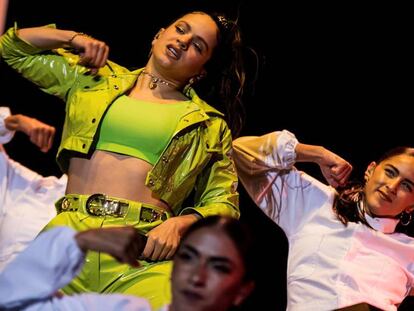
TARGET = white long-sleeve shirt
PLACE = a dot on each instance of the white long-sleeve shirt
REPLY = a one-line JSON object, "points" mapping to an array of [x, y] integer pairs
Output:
{"points": [[47, 264], [26, 200], [330, 265]]}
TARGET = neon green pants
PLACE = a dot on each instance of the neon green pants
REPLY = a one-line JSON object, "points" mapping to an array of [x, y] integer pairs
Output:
{"points": [[102, 273]]}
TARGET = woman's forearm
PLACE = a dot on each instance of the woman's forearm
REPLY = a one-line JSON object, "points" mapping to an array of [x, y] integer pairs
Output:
{"points": [[309, 153], [46, 38]]}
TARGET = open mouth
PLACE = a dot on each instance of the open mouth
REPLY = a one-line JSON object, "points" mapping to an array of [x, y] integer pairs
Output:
{"points": [[173, 52]]}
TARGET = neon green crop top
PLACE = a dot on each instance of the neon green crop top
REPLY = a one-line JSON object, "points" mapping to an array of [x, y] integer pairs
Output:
{"points": [[138, 128]]}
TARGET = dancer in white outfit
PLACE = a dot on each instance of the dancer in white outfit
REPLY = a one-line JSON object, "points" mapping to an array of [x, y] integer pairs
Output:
{"points": [[343, 248], [26, 198]]}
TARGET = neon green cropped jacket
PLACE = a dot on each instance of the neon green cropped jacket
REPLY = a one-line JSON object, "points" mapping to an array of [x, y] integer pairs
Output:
{"points": [[198, 156]]}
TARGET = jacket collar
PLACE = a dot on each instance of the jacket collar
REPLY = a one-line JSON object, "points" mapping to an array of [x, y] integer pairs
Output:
{"points": [[385, 225]]}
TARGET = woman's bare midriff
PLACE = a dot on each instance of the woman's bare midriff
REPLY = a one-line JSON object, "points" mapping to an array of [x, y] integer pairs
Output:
{"points": [[112, 174]]}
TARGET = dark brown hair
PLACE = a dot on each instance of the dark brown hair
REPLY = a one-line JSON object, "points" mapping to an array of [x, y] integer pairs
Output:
{"points": [[224, 82]]}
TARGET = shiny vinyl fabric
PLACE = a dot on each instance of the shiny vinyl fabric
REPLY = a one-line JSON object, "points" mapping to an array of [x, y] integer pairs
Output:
{"points": [[102, 274]]}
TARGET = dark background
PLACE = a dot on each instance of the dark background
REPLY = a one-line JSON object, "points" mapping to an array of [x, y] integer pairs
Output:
{"points": [[337, 75]]}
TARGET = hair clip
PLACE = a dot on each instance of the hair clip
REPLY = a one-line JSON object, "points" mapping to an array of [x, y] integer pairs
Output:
{"points": [[223, 21]]}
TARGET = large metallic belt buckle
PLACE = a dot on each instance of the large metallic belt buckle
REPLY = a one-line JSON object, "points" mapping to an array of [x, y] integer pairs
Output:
{"points": [[150, 215], [100, 205]]}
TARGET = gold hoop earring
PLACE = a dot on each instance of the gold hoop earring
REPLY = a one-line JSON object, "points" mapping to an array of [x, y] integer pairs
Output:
{"points": [[195, 79], [405, 218]]}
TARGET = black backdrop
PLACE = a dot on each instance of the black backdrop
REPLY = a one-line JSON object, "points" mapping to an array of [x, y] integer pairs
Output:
{"points": [[334, 74]]}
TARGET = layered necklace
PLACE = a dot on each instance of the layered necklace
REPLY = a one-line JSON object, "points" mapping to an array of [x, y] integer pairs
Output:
{"points": [[155, 80]]}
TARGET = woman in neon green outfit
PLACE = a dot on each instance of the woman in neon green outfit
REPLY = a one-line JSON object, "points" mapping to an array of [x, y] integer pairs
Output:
{"points": [[136, 143]]}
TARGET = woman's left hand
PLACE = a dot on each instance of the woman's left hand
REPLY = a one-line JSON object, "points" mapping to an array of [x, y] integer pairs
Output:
{"points": [[164, 239]]}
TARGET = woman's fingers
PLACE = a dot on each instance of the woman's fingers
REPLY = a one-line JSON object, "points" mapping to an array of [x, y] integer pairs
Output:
{"points": [[94, 53]]}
